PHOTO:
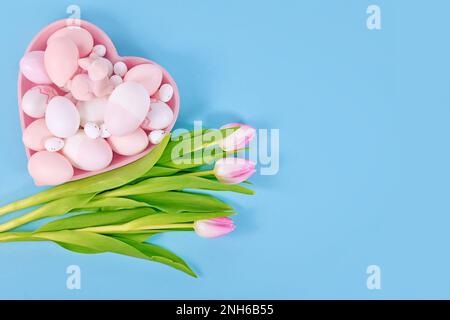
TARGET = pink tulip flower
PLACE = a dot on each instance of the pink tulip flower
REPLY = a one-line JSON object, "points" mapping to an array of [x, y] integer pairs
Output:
{"points": [[233, 170], [214, 228], [239, 138]]}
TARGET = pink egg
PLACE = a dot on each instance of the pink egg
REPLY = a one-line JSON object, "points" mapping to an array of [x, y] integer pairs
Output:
{"points": [[80, 87], [84, 63], [102, 88], [149, 75], [87, 154], [34, 101], [33, 68], [62, 117], [49, 168], [81, 37], [127, 107], [98, 70], [61, 60], [130, 144], [35, 134]]}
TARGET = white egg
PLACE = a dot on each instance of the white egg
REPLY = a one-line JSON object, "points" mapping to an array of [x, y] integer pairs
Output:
{"points": [[35, 100], [99, 50], [54, 144], [62, 117], [92, 111], [165, 93], [116, 80], [128, 105], [120, 69], [92, 130], [156, 136], [104, 132], [87, 154], [160, 116]]}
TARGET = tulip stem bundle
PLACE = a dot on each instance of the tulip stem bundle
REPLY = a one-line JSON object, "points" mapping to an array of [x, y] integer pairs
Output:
{"points": [[118, 211], [200, 173]]}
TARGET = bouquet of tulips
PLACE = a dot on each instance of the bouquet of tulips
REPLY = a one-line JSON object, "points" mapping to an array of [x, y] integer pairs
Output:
{"points": [[120, 210]]}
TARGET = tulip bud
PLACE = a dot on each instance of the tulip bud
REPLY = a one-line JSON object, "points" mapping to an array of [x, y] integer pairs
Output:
{"points": [[214, 228], [233, 170], [239, 138]]}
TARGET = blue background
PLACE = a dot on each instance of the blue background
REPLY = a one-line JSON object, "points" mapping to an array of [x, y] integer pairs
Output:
{"points": [[364, 124]]}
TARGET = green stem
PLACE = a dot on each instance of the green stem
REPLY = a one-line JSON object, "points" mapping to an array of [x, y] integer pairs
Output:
{"points": [[20, 221], [22, 204], [200, 173], [51, 209], [125, 228], [17, 236]]}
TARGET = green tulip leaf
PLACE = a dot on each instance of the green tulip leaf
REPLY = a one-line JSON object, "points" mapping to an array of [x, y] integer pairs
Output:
{"points": [[176, 201], [162, 184], [159, 171], [96, 219], [136, 236], [51, 209], [161, 255], [164, 219], [163, 222], [186, 146], [112, 204], [78, 249], [77, 240]]}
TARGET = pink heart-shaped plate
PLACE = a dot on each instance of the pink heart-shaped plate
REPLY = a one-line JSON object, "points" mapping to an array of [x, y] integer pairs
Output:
{"points": [[40, 42]]}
